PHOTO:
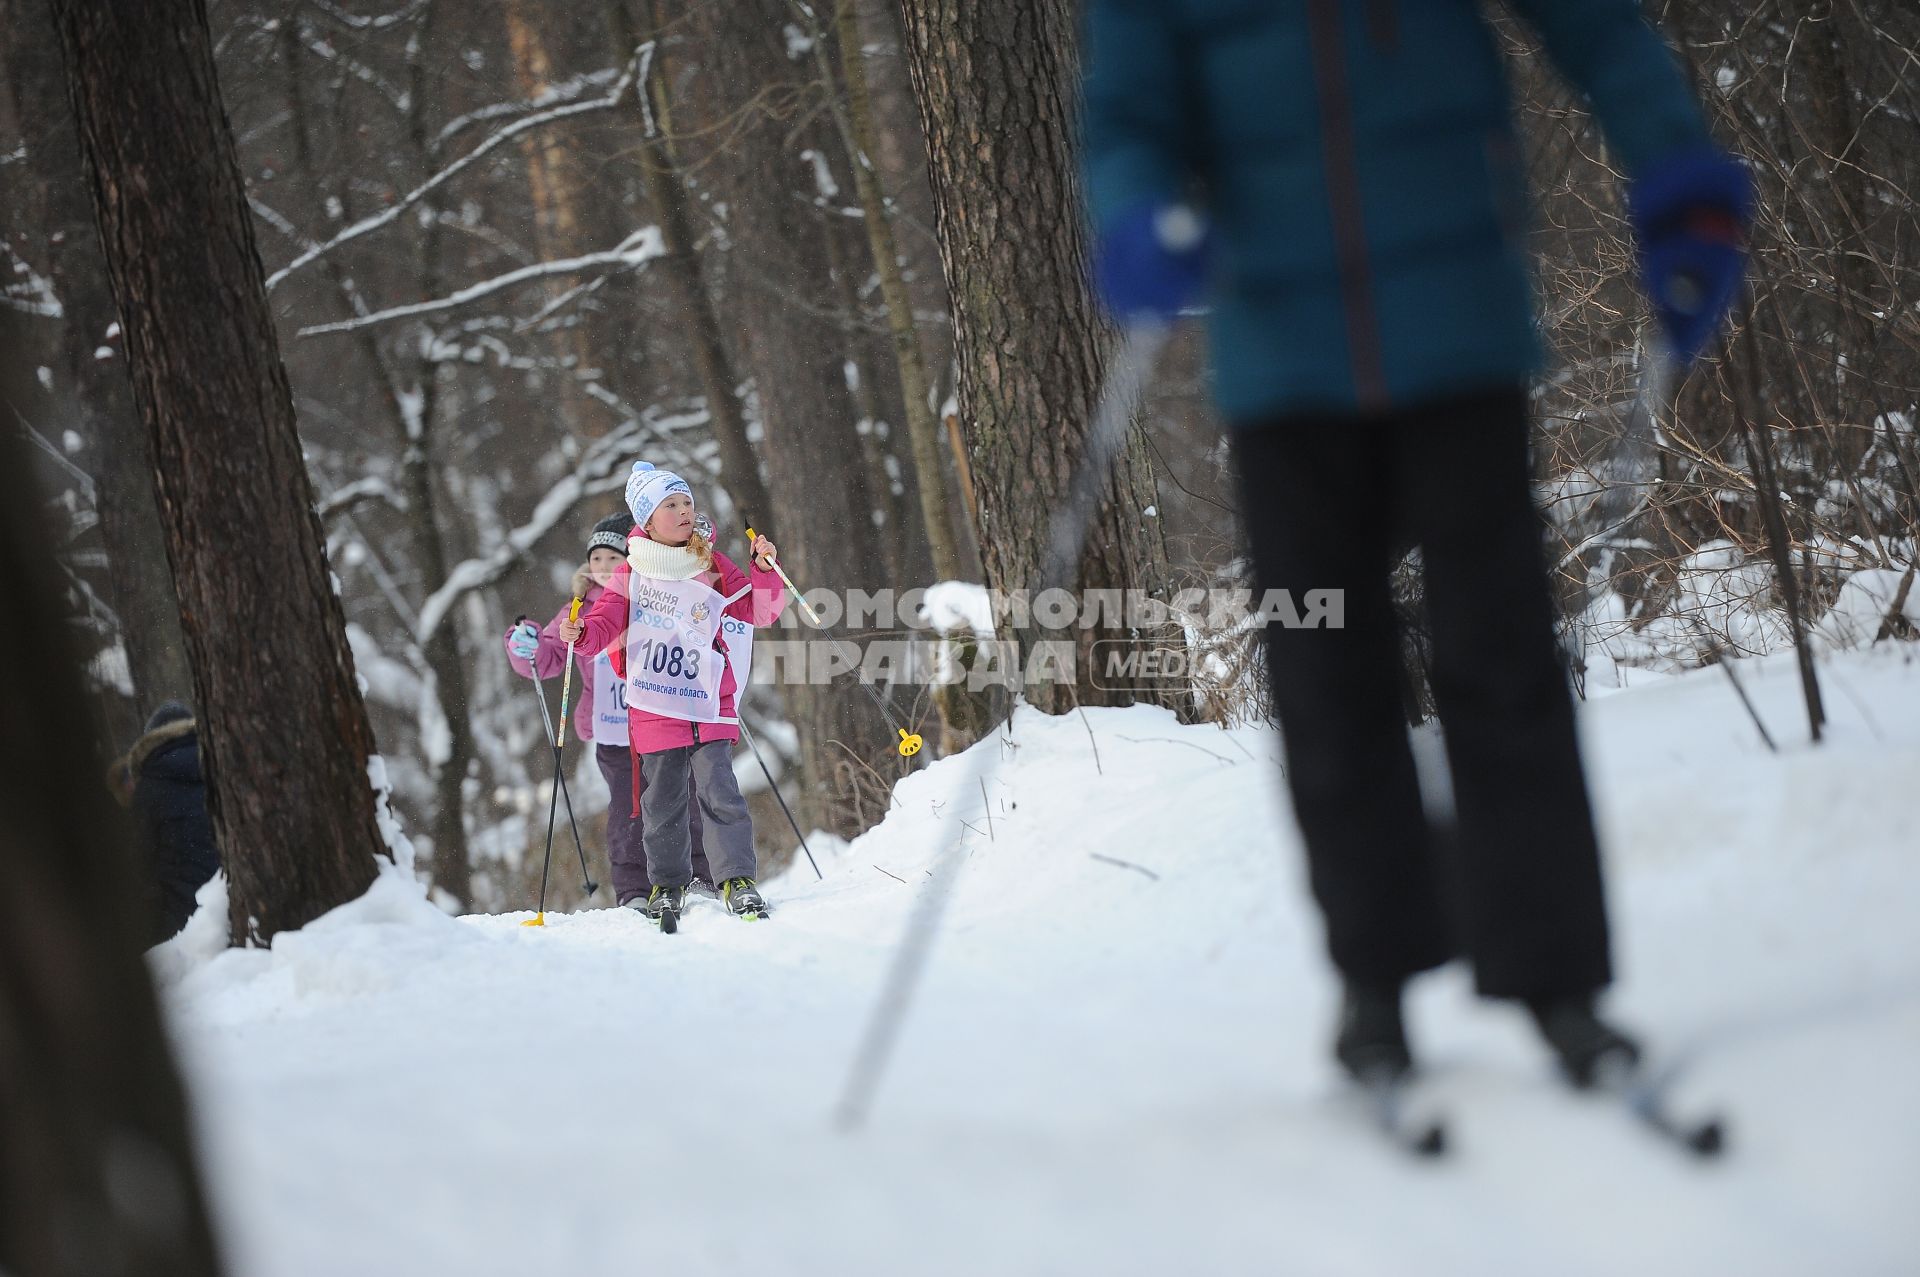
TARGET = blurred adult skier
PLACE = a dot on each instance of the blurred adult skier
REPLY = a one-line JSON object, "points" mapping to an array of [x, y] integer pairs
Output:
{"points": [[1339, 180]]}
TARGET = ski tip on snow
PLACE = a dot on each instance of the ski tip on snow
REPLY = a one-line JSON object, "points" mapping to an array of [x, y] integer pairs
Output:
{"points": [[1708, 1139]]}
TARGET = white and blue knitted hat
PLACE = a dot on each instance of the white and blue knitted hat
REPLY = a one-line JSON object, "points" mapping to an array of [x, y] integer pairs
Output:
{"points": [[648, 487]]}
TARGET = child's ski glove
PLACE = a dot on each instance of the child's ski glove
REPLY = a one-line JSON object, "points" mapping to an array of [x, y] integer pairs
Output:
{"points": [[1151, 261], [524, 642], [1691, 213]]}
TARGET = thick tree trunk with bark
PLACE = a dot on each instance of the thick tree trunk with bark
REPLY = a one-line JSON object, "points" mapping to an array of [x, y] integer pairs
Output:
{"points": [[452, 860], [784, 300], [97, 1167], [284, 735], [93, 365], [938, 511], [558, 224], [899, 156], [995, 81], [896, 507], [408, 390], [680, 271]]}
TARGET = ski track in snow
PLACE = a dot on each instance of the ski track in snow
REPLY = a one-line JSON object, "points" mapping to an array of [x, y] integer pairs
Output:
{"points": [[1104, 1073]]}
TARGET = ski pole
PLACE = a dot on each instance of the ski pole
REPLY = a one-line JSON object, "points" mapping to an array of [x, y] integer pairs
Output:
{"points": [[798, 597], [539, 918], [1120, 393], [1631, 461], [778, 797], [909, 743], [566, 679], [566, 795]]}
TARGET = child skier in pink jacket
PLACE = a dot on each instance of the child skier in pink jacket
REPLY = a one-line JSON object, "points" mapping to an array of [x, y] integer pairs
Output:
{"points": [[659, 621], [600, 716]]}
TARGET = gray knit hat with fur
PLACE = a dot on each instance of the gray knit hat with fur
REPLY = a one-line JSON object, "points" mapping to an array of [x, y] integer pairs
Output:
{"points": [[611, 533]]}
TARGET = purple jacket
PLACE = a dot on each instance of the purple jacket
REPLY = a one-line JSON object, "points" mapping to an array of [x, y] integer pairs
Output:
{"points": [[551, 659]]}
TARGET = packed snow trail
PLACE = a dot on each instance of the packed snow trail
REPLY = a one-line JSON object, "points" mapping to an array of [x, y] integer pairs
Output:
{"points": [[1115, 1065]]}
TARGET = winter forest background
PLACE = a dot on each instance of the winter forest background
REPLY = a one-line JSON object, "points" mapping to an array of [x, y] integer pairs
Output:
{"points": [[826, 258], [511, 246]]}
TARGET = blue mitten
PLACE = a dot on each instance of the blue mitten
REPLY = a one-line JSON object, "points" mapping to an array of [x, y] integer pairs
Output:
{"points": [[524, 642], [1151, 261], [1691, 213]]}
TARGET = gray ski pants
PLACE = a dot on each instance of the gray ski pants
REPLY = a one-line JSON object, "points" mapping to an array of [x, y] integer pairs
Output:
{"points": [[663, 814]]}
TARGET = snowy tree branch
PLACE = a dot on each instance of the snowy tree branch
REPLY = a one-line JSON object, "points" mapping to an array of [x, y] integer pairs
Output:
{"points": [[555, 95], [34, 295], [358, 493], [602, 468], [688, 462], [323, 48], [634, 250], [406, 13], [390, 214], [81, 479]]}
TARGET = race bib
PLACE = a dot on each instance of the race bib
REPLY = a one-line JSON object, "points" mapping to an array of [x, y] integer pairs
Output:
{"points": [[738, 636], [609, 703], [673, 669]]}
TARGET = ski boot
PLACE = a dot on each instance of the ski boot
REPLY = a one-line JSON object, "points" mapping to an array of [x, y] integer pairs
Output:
{"points": [[1371, 1044], [664, 905], [743, 898], [1581, 1041]]}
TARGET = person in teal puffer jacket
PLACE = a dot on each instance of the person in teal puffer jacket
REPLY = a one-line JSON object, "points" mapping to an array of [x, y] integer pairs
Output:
{"points": [[1341, 181]]}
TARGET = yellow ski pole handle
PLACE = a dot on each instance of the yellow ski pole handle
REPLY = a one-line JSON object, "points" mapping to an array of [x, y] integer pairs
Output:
{"points": [[798, 597], [566, 679]]}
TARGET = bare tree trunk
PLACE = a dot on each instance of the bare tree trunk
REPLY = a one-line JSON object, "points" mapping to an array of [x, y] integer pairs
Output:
{"points": [[685, 282], [899, 157], [285, 734], [93, 361], [937, 508], [1831, 101], [1766, 474], [994, 80], [892, 506], [452, 861], [413, 429], [783, 299], [98, 1176], [557, 228]]}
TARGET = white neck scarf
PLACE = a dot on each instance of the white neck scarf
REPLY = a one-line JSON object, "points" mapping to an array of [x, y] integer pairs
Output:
{"points": [[663, 562]]}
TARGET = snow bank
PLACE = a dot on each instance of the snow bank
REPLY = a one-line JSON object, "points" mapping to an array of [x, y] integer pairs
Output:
{"points": [[1865, 601], [199, 942], [370, 946], [947, 606], [1117, 1061]]}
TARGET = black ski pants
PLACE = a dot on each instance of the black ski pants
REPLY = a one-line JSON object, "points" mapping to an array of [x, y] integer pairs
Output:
{"points": [[1516, 889]]}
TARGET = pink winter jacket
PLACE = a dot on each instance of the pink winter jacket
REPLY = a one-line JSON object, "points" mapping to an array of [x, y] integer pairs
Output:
{"points": [[551, 658], [606, 624]]}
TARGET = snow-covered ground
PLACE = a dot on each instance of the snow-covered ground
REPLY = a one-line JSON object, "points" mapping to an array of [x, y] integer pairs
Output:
{"points": [[1111, 1068]]}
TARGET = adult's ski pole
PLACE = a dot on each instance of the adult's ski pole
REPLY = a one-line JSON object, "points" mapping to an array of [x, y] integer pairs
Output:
{"points": [[1127, 374]]}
